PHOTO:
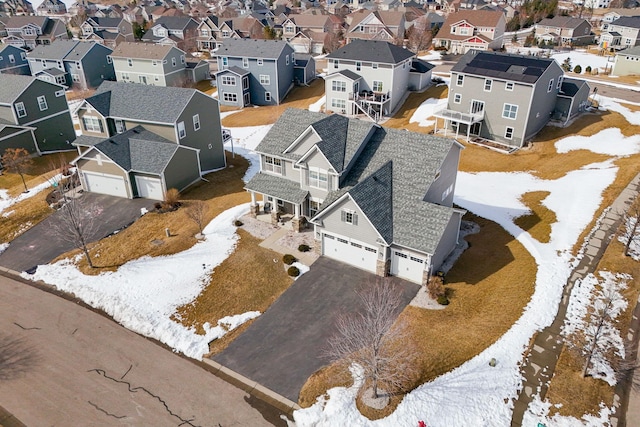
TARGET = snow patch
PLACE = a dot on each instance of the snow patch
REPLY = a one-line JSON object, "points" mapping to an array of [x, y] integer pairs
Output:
{"points": [[607, 141]]}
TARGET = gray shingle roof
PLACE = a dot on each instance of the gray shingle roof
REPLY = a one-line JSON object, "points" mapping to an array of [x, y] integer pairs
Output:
{"points": [[280, 188], [105, 22], [526, 69], [139, 150], [571, 86], [372, 51], [12, 85], [56, 50], [420, 66], [627, 21], [252, 48], [374, 196], [141, 50], [632, 51], [141, 102], [87, 141], [560, 21], [174, 22], [348, 74]]}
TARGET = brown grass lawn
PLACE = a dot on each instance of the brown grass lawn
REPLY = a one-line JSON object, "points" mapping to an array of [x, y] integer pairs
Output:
{"points": [[486, 299], [299, 97], [223, 191], [538, 222], [580, 395], [248, 280], [401, 119]]}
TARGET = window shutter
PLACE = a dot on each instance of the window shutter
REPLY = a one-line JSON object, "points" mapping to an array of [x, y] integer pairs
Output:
{"points": [[101, 128], [355, 219], [343, 216]]}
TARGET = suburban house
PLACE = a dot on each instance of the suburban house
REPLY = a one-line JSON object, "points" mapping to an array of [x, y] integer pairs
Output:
{"points": [[376, 25], [379, 199], [508, 98], [30, 31], [16, 7], [372, 77], [564, 31], [311, 33], [258, 72], [627, 62], [107, 31], [614, 14], [178, 31], [471, 29], [13, 60], [34, 114], [51, 8], [209, 35], [139, 141], [622, 33], [77, 64], [156, 65]]}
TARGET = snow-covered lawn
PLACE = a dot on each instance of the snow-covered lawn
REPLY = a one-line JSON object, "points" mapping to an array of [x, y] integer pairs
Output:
{"points": [[6, 201], [424, 114], [613, 104], [584, 59], [245, 140]]}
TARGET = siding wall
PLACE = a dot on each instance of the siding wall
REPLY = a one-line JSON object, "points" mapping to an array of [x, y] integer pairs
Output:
{"points": [[626, 65], [543, 102], [363, 231], [448, 241], [180, 171], [16, 138], [448, 176]]}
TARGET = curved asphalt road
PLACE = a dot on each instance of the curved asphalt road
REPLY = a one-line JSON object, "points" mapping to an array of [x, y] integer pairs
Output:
{"points": [[72, 366]]}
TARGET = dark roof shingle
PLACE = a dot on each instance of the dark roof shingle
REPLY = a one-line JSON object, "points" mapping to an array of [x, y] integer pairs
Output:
{"points": [[372, 51]]}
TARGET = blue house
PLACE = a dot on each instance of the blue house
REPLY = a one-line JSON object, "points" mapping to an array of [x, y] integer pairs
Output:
{"points": [[13, 60]]}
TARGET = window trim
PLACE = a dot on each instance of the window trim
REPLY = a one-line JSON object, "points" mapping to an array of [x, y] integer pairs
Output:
{"points": [[228, 80], [488, 83], [377, 85], [273, 164], [509, 86], [265, 79], [245, 62], [21, 111], [321, 176], [457, 96], [182, 130], [507, 114], [196, 122], [267, 96], [506, 132], [349, 216], [550, 86], [338, 86], [460, 80], [42, 103]]}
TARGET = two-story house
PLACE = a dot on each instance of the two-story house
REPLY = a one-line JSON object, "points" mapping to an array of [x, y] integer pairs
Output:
{"points": [[509, 98], [471, 29], [107, 31], [564, 31], [178, 31], [30, 31], [34, 114], [622, 33], [156, 65], [16, 7], [73, 64], [51, 8], [627, 62], [209, 34], [13, 60], [379, 199], [258, 72], [372, 77], [139, 141], [376, 25]]}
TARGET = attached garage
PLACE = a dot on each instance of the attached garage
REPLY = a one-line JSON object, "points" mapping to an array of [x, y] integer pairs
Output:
{"points": [[149, 187], [350, 251], [112, 185], [407, 266]]}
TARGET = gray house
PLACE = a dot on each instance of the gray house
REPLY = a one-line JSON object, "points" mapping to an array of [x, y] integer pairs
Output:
{"points": [[168, 138], [379, 199], [77, 64], [34, 114], [372, 77], [178, 31], [107, 31], [265, 66], [507, 98], [13, 60]]}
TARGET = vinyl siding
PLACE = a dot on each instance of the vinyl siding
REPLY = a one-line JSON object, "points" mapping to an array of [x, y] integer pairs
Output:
{"points": [[447, 242], [83, 112], [543, 102], [165, 131], [306, 143], [95, 67], [56, 133], [626, 67], [182, 170], [448, 175], [16, 138], [363, 231]]}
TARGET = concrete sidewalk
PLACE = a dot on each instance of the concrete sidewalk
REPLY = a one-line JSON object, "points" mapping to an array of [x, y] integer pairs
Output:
{"points": [[271, 242], [540, 363]]}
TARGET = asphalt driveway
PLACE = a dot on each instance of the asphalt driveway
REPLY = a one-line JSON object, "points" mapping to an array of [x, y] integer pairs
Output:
{"points": [[283, 347], [40, 244]]}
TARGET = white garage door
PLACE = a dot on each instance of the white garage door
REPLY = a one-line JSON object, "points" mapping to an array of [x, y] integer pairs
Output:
{"points": [[149, 188], [101, 183], [407, 266], [350, 251]]}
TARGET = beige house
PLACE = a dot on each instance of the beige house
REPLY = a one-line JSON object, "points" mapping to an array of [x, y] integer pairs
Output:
{"points": [[627, 62], [471, 29], [564, 30], [388, 25]]}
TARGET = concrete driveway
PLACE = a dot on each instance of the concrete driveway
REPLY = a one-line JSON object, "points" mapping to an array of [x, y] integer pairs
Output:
{"points": [[283, 347], [40, 244]]}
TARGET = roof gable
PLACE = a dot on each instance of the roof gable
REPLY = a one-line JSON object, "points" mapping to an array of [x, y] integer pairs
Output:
{"points": [[372, 51]]}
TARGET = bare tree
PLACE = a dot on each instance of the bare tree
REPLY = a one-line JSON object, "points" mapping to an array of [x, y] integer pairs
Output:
{"points": [[419, 36], [374, 340], [76, 224], [17, 160], [197, 212], [631, 225], [16, 357]]}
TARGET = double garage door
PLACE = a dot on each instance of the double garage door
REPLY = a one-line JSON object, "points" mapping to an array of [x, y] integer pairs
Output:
{"points": [[407, 266], [350, 252], [102, 183]]}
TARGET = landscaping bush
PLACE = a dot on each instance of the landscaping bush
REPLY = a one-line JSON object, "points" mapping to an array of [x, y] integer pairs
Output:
{"points": [[293, 271], [289, 259], [443, 300], [577, 69], [588, 69], [238, 223], [435, 286], [172, 198], [304, 248]]}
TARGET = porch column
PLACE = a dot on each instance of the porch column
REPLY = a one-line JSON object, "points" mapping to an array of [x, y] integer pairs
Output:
{"points": [[457, 129], [296, 210], [275, 216], [468, 132], [298, 222], [254, 208]]}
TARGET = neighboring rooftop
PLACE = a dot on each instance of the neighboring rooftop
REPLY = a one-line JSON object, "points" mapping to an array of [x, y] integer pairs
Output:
{"points": [[12, 85], [627, 21], [526, 69], [631, 51], [141, 50], [372, 51], [252, 48], [560, 21]]}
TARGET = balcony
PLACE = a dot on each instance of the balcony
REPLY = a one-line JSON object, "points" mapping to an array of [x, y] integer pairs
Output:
{"points": [[457, 116], [370, 97]]}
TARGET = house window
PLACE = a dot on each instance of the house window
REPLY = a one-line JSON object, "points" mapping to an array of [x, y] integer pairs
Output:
{"points": [[457, 98], [245, 62], [272, 164], [75, 78], [78, 65], [510, 111], [550, 86], [559, 84], [508, 132], [125, 76], [120, 126], [130, 62], [314, 207], [182, 59], [509, 86], [286, 59], [173, 61], [267, 96], [182, 132], [460, 80], [318, 178], [204, 32], [92, 124], [59, 93], [290, 29], [487, 85], [44, 62], [339, 104], [228, 80], [245, 82], [196, 122], [230, 97], [377, 86], [109, 60], [350, 217], [42, 103], [265, 79], [374, 65], [358, 65], [338, 86], [12, 59], [20, 110], [336, 64], [23, 56], [225, 33], [225, 62], [260, 61]]}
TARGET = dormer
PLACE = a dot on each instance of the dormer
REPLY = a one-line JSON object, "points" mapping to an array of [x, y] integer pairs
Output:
{"points": [[462, 28], [160, 31]]}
